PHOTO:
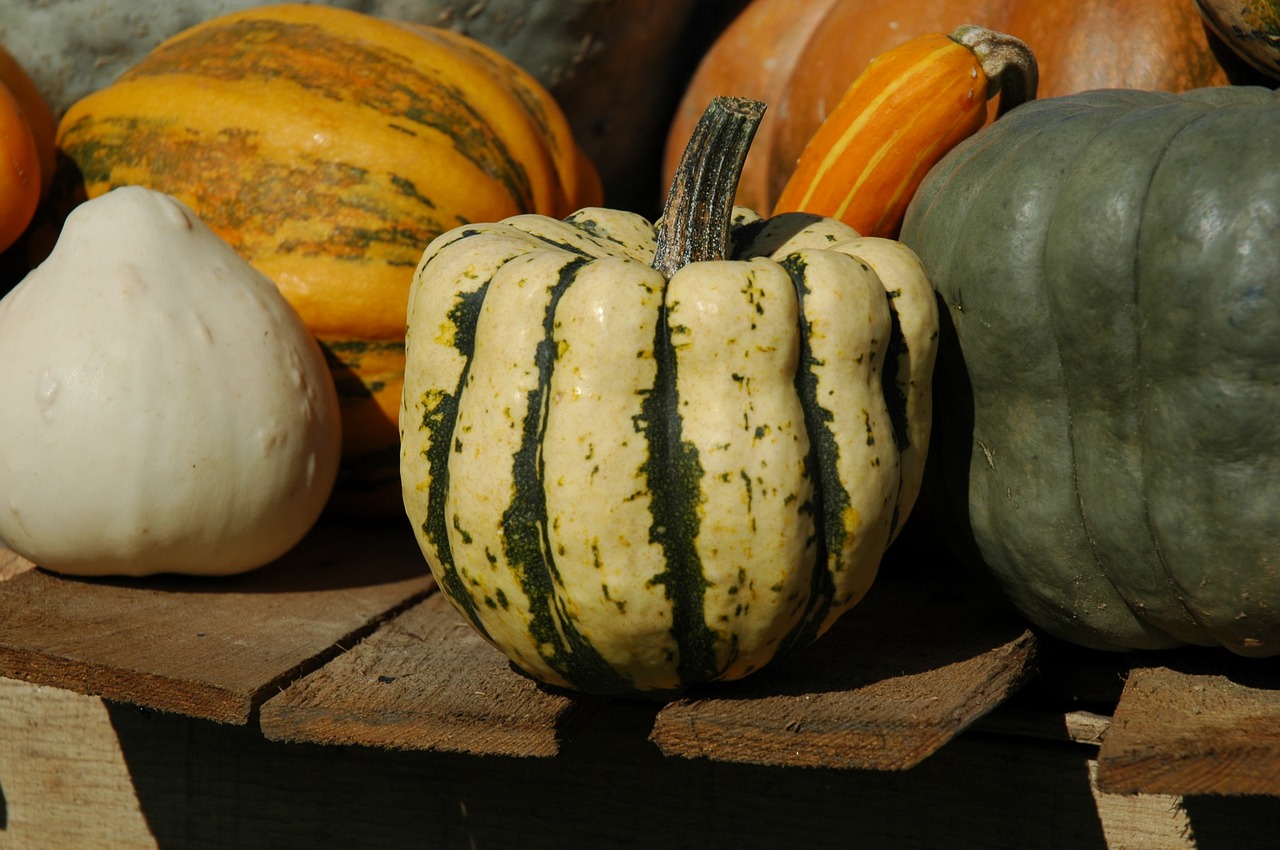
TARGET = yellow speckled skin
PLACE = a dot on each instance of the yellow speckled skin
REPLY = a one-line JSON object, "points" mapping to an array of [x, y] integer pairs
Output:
{"points": [[633, 484]]}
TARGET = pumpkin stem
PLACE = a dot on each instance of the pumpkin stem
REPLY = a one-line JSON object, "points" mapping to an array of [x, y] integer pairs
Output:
{"points": [[695, 218], [1008, 62]]}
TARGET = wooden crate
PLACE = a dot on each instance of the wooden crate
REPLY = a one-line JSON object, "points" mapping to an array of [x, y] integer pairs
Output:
{"points": [[334, 699]]}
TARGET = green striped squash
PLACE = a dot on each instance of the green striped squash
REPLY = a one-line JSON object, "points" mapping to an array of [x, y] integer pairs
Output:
{"points": [[634, 480], [329, 147]]}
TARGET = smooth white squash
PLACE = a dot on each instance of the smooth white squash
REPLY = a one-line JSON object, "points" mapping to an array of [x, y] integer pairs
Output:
{"points": [[162, 407]]}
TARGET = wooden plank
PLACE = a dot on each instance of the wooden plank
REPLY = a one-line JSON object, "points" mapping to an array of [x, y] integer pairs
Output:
{"points": [[214, 648], [12, 564], [64, 781], [425, 680], [927, 653], [1204, 723], [77, 773]]}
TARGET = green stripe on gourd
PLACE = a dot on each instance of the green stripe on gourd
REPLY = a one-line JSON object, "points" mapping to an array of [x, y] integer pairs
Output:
{"points": [[232, 53], [637, 462]]}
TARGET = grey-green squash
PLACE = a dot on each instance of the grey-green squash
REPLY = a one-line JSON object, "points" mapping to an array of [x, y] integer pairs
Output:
{"points": [[1107, 439], [638, 458]]}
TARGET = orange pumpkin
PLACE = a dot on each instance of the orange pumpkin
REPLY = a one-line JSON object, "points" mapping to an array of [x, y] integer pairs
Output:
{"points": [[329, 147], [27, 151], [800, 58]]}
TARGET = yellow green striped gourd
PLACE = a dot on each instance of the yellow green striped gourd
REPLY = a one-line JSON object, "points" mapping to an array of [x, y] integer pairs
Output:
{"points": [[637, 459], [329, 147]]}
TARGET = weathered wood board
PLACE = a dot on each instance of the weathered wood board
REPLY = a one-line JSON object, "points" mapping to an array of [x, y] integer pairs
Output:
{"points": [[213, 648], [1201, 724], [911, 667], [425, 680], [12, 564], [77, 772], [344, 642], [924, 656]]}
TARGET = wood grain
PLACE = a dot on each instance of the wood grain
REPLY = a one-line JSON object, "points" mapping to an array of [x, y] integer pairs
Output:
{"points": [[425, 680], [77, 773], [1204, 723], [11, 563], [213, 648], [924, 656]]}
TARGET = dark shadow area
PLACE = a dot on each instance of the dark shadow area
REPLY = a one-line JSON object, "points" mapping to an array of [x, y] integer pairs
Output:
{"points": [[1238, 71], [1233, 823], [922, 613], [4, 811], [1257, 673], [201, 785], [337, 554]]}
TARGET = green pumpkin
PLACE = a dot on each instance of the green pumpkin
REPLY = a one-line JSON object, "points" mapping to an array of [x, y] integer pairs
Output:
{"points": [[1107, 436], [642, 458]]}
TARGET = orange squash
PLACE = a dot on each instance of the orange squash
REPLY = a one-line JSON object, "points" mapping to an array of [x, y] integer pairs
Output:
{"points": [[329, 147], [801, 60], [19, 170], [27, 151], [899, 117]]}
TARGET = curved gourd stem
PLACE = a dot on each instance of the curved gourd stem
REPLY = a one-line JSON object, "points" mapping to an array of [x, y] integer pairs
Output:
{"points": [[695, 218], [1008, 62]]}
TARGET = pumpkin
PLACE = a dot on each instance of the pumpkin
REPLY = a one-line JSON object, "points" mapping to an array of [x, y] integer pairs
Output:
{"points": [[642, 458], [800, 58], [27, 150], [1249, 27], [908, 108], [1108, 385], [165, 408], [19, 170], [328, 148], [583, 51]]}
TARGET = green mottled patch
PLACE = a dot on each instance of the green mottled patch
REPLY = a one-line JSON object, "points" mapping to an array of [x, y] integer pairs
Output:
{"points": [[674, 475], [320, 61], [822, 465], [525, 530]]}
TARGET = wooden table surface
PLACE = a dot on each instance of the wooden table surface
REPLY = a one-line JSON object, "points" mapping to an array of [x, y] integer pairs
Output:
{"points": [[345, 642]]}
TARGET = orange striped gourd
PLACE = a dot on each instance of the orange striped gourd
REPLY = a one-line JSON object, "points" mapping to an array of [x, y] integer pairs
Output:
{"points": [[909, 107], [329, 147]]}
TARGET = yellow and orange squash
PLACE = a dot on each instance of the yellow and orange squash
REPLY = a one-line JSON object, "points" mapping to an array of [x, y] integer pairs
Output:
{"points": [[800, 58], [909, 107], [329, 147]]}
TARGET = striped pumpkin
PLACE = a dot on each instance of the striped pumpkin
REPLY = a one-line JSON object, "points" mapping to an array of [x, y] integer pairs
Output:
{"points": [[900, 116], [329, 148], [637, 460]]}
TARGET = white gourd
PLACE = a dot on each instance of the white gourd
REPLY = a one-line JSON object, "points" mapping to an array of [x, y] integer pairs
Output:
{"points": [[162, 407]]}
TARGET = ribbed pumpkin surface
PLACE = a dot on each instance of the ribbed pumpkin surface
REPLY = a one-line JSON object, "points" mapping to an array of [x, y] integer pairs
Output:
{"points": [[329, 147], [1109, 368], [630, 483]]}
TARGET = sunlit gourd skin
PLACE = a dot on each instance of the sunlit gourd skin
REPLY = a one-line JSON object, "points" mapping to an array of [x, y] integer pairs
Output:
{"points": [[1109, 377], [633, 484], [898, 118], [800, 57], [1249, 27], [166, 410], [329, 147]]}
